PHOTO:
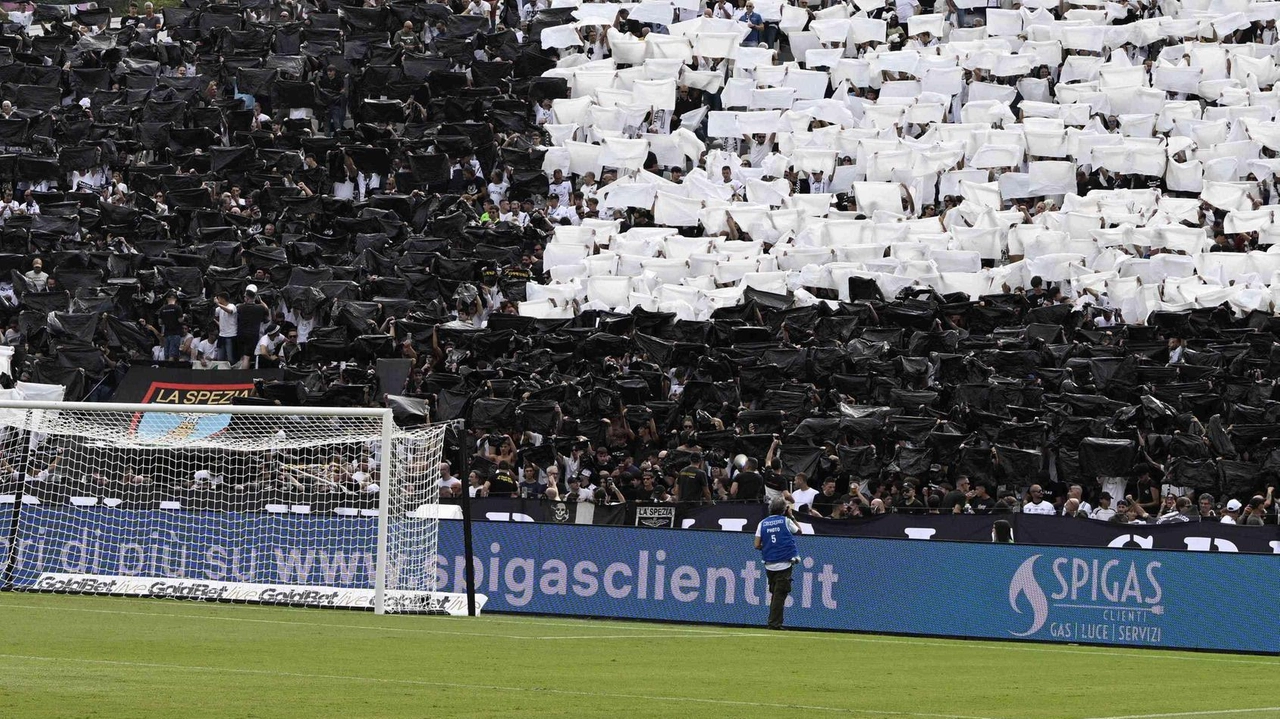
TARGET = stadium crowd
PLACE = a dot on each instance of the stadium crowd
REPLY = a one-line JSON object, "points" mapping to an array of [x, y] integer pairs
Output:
{"points": [[902, 256]]}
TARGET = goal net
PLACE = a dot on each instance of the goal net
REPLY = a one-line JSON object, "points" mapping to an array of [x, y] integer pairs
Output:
{"points": [[298, 506]]}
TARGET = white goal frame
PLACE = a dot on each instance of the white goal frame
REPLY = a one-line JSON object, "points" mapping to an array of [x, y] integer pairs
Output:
{"points": [[439, 601]]}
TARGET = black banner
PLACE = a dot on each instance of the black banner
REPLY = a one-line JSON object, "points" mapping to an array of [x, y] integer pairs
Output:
{"points": [[1027, 529], [165, 385], [1207, 536]]}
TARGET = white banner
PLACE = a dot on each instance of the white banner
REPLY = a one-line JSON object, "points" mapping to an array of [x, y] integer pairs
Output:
{"points": [[396, 600]]}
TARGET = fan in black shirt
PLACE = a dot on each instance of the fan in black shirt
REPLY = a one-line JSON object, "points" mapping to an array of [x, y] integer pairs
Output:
{"points": [[503, 483], [170, 316], [826, 501], [250, 316], [747, 485], [691, 485], [981, 501]]}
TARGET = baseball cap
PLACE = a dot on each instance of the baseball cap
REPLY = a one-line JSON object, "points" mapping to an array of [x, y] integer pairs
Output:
{"points": [[1234, 505], [1105, 495], [251, 288]]}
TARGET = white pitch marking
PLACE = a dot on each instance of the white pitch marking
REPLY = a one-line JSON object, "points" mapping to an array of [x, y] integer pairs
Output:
{"points": [[380, 628], [1207, 713], [489, 687], [1088, 651]]}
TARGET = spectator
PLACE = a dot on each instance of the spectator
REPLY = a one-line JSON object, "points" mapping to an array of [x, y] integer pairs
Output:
{"points": [[755, 24], [826, 501], [1103, 512], [802, 495], [228, 328], [250, 316], [477, 485], [980, 500], [577, 492], [150, 20], [747, 484], [266, 354], [1035, 502], [1231, 513], [37, 276], [1205, 509], [693, 487], [450, 486], [171, 327], [1255, 512], [1002, 532], [530, 487]]}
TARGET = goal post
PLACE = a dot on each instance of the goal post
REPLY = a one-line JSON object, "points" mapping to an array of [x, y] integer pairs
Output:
{"points": [[303, 506]]}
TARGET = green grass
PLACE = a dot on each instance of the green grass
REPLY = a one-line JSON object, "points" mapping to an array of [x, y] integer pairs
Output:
{"points": [[63, 656]]}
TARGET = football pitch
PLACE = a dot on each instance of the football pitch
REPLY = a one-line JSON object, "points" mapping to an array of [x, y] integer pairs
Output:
{"points": [[64, 656]]}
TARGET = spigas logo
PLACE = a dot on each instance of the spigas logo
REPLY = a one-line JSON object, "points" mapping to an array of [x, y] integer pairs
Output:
{"points": [[1098, 600]]}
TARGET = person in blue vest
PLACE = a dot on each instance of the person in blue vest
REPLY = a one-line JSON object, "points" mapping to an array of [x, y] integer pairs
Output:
{"points": [[776, 540]]}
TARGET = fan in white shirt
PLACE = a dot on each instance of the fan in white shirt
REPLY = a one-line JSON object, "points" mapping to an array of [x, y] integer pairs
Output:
{"points": [[560, 187], [498, 186], [542, 113], [1038, 505], [557, 211], [1103, 512], [1076, 492], [736, 187], [802, 495], [818, 184], [589, 187]]}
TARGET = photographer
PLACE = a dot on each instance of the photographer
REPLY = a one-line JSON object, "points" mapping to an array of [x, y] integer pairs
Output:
{"points": [[775, 539]]}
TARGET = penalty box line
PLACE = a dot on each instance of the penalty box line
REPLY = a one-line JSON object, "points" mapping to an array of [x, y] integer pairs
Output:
{"points": [[484, 687]]}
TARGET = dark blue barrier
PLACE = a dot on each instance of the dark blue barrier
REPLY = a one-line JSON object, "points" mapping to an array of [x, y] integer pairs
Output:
{"points": [[1104, 596], [1210, 600]]}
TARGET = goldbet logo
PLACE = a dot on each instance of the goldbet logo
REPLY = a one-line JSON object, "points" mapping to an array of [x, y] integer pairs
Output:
{"points": [[1094, 600]]}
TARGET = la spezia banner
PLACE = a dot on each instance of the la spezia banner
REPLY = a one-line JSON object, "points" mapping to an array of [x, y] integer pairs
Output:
{"points": [[394, 601], [1131, 597], [174, 386], [177, 386], [660, 516]]}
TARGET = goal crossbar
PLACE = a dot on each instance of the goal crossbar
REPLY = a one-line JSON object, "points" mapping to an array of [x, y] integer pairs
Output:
{"points": [[246, 409]]}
